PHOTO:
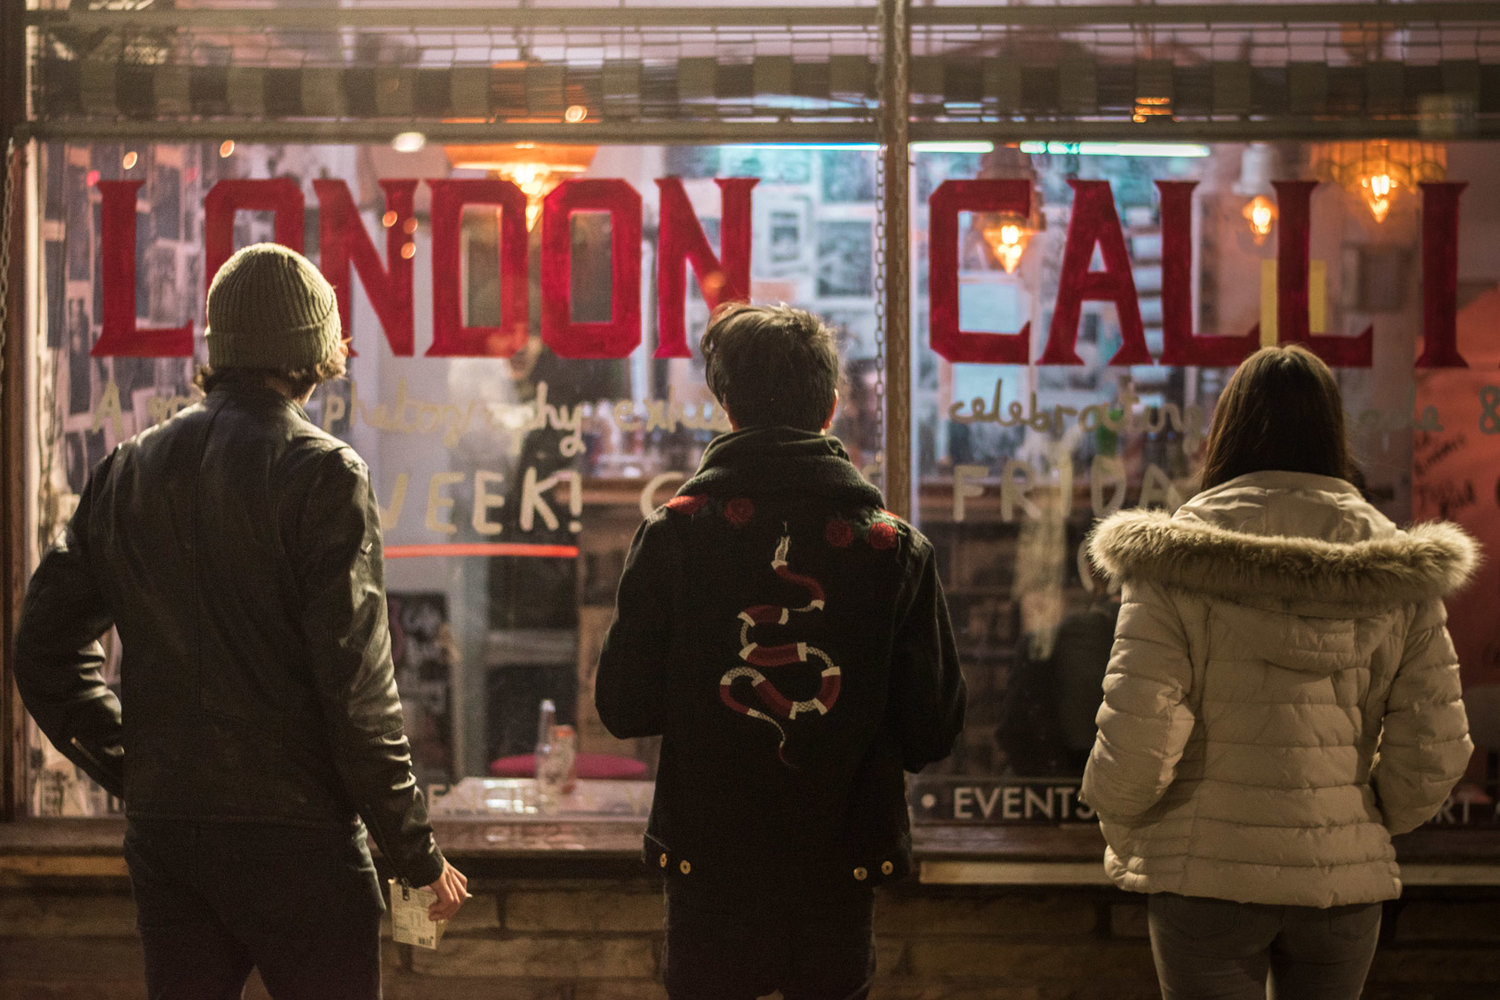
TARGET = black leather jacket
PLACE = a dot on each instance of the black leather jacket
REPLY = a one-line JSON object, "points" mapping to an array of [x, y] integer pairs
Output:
{"points": [[236, 549]]}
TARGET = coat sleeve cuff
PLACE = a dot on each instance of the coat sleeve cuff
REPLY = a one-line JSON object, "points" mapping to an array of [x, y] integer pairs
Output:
{"points": [[424, 869]]}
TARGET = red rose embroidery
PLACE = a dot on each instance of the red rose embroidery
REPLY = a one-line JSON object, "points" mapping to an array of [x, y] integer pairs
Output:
{"points": [[882, 535], [839, 532], [739, 510], [687, 505]]}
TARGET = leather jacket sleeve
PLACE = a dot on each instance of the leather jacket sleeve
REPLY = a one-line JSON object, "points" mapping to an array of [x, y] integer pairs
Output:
{"points": [[58, 658], [341, 576]]}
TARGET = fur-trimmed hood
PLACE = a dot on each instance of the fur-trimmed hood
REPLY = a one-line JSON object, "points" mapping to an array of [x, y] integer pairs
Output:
{"points": [[1284, 537]]}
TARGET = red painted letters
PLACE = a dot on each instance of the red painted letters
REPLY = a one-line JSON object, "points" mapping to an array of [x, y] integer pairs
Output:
{"points": [[119, 334], [682, 241], [450, 337], [344, 245], [1094, 223]]}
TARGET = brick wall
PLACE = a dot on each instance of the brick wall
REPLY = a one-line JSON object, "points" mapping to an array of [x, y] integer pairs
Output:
{"points": [[597, 939]]}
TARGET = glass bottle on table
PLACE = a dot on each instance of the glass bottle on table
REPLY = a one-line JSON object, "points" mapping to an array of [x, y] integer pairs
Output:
{"points": [[565, 749], [552, 759]]}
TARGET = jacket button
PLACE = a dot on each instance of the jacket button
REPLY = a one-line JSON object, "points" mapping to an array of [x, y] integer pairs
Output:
{"points": [[684, 867], [662, 861], [861, 873], [886, 867]]}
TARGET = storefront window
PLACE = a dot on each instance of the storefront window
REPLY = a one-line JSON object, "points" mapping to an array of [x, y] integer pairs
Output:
{"points": [[1078, 308], [524, 387], [527, 382]]}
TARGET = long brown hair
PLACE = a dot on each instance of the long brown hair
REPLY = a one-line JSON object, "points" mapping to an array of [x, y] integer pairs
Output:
{"points": [[1281, 410]]}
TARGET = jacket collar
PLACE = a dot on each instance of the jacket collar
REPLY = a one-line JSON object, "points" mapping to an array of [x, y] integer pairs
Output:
{"points": [[762, 461], [248, 392], [1285, 537]]}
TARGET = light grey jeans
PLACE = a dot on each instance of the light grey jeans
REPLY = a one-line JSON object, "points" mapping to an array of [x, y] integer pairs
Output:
{"points": [[1214, 949]]}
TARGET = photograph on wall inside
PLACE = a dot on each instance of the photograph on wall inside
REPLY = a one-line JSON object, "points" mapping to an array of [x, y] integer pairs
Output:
{"points": [[80, 365], [848, 176], [846, 249], [771, 165], [425, 657]]}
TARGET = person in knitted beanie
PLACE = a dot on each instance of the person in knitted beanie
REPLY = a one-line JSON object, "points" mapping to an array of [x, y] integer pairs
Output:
{"points": [[257, 733], [271, 312]]}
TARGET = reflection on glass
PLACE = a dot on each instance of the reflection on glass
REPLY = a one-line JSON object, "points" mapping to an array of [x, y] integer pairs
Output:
{"points": [[511, 478], [1015, 462]]}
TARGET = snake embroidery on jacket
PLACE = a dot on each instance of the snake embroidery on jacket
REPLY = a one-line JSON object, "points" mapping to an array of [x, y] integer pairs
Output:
{"points": [[768, 657]]}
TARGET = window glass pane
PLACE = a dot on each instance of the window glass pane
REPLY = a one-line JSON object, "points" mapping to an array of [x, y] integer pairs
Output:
{"points": [[1134, 270], [512, 451], [511, 482]]}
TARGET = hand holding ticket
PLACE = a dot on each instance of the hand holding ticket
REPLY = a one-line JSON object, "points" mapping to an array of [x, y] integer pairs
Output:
{"points": [[410, 922]]}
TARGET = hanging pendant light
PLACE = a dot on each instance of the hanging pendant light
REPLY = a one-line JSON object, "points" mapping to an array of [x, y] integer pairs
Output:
{"points": [[1257, 165], [534, 167], [1378, 171], [1007, 233]]}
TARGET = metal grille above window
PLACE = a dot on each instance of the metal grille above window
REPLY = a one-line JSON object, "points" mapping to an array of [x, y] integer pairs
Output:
{"points": [[709, 71]]}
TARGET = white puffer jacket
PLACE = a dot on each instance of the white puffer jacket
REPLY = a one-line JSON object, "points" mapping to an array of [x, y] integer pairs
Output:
{"points": [[1282, 694]]}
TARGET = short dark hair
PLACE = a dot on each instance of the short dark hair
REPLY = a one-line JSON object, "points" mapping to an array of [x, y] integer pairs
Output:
{"points": [[299, 380], [771, 365], [1281, 410]]}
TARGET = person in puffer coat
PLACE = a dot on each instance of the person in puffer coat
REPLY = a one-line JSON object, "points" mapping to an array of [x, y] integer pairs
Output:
{"points": [[1282, 696]]}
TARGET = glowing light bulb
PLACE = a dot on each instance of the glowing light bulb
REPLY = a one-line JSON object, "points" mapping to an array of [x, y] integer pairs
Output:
{"points": [[1379, 190], [1260, 212], [1007, 241], [408, 142]]}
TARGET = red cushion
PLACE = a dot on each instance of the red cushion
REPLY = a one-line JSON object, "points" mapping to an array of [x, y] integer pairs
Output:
{"points": [[606, 766]]}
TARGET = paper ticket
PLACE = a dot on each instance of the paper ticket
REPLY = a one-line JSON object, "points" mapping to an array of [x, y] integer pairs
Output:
{"points": [[410, 923]]}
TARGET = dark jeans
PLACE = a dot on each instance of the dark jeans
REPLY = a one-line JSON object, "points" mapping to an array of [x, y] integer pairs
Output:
{"points": [[214, 900], [1213, 949], [810, 948]]}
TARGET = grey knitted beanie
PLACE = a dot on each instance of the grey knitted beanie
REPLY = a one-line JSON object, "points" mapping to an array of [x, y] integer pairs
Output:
{"points": [[268, 307]]}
